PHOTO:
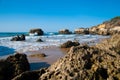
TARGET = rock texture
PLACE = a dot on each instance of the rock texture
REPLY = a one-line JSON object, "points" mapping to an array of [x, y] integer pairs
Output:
{"points": [[69, 44], [107, 28], [19, 38], [37, 31], [88, 63], [64, 31], [81, 31], [13, 66]]}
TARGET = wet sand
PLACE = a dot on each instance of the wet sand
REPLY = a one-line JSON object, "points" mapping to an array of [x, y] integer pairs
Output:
{"points": [[53, 54]]}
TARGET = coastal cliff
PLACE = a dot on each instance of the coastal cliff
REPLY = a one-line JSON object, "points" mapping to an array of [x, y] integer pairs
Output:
{"points": [[109, 27]]}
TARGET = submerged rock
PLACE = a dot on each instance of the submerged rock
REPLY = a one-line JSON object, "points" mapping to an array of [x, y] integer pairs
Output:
{"points": [[13, 66]]}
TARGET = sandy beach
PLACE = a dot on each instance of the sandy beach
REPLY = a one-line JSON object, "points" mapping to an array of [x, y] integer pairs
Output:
{"points": [[53, 54]]}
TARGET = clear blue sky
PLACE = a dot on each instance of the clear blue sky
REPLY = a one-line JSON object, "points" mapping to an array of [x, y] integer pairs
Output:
{"points": [[52, 15]]}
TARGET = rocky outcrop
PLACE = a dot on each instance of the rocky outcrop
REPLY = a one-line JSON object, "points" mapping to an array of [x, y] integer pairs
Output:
{"points": [[69, 44], [64, 31], [13, 66], [19, 38], [37, 32], [81, 31], [107, 28], [88, 63]]}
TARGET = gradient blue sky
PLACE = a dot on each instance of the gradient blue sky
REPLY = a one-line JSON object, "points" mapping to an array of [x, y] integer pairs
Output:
{"points": [[52, 15]]}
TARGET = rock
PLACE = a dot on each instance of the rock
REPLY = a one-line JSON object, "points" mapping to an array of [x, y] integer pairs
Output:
{"points": [[39, 40], [30, 75], [40, 55], [107, 28], [88, 63], [69, 44], [37, 32], [13, 66], [64, 31], [22, 37], [81, 31], [19, 38]]}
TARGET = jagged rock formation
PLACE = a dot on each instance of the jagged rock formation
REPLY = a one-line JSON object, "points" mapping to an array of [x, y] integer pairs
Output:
{"points": [[13, 66], [88, 63], [37, 32], [64, 31], [19, 38]]}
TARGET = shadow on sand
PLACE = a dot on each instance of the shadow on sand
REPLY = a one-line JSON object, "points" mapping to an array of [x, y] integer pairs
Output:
{"points": [[38, 65]]}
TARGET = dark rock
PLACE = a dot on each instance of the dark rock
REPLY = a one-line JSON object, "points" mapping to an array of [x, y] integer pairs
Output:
{"points": [[13, 66], [18, 38], [69, 44], [30, 75], [39, 40], [64, 31], [22, 37], [39, 55], [38, 31]]}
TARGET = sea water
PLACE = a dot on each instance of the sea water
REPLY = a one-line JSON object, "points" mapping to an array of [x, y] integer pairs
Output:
{"points": [[49, 39]]}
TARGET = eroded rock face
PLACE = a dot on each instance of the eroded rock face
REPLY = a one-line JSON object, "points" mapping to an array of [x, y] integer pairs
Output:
{"points": [[69, 44], [37, 31], [64, 31], [88, 63], [13, 66]]}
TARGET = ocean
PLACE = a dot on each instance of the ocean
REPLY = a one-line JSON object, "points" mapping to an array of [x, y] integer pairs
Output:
{"points": [[50, 39]]}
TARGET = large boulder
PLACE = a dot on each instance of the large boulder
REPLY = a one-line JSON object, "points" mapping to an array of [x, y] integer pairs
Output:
{"points": [[88, 63], [13, 66], [36, 32], [69, 44], [64, 31], [18, 38]]}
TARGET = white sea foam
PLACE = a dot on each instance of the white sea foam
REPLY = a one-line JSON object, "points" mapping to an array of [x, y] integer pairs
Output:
{"points": [[52, 40]]}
